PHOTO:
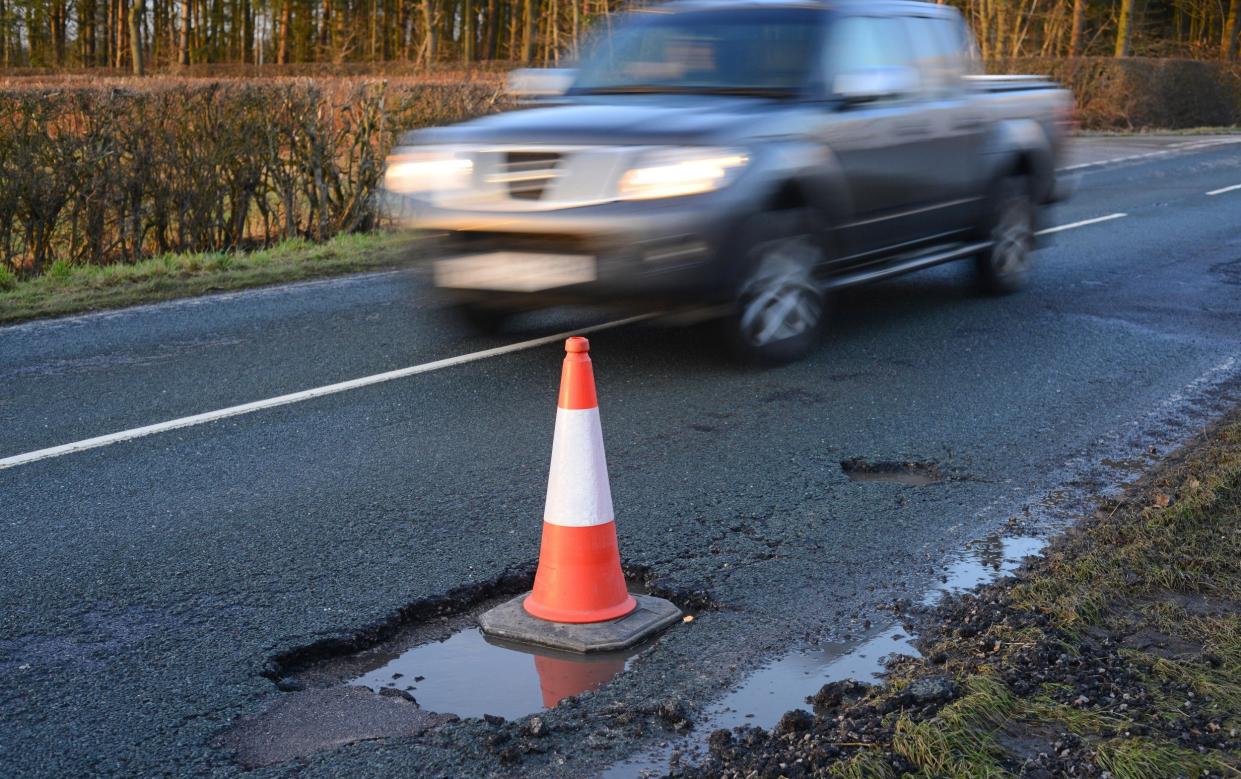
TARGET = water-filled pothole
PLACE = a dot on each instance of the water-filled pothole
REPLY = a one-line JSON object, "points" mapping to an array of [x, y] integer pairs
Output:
{"points": [[917, 474], [987, 560], [469, 675]]}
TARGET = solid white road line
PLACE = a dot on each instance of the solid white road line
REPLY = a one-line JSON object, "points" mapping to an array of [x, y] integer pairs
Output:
{"points": [[1083, 223], [298, 397], [1225, 189]]}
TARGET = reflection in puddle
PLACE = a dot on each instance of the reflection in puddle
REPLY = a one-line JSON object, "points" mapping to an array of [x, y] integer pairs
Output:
{"points": [[987, 560], [470, 675]]}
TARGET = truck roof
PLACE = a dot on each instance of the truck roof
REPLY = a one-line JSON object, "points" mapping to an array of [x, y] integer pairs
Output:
{"points": [[869, 6]]}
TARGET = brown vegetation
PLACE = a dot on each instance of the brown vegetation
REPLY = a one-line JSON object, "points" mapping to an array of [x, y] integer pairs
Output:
{"points": [[1141, 92], [115, 173]]}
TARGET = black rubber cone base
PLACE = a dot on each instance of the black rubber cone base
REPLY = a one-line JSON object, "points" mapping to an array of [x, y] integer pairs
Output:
{"points": [[510, 621]]}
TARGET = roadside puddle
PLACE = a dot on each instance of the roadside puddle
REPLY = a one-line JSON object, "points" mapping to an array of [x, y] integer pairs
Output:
{"points": [[469, 675], [986, 560], [785, 683]]}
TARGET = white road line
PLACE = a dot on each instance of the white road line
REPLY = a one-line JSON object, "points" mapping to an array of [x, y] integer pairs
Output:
{"points": [[1083, 223], [298, 397], [1180, 147], [1224, 189]]}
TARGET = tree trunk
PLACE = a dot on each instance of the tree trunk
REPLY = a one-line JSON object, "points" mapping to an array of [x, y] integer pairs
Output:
{"points": [[467, 31], [1228, 46], [1122, 28], [135, 36], [1079, 21], [122, 11], [286, 21], [527, 31], [183, 50]]}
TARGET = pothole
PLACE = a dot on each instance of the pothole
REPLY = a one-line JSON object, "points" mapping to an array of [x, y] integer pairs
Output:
{"points": [[916, 474], [986, 560], [427, 666], [470, 675]]}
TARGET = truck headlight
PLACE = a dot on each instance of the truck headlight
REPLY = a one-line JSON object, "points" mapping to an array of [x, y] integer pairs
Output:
{"points": [[415, 171], [679, 172]]}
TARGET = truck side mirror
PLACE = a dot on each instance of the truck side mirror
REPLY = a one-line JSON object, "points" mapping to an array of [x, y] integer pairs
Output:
{"points": [[870, 84]]}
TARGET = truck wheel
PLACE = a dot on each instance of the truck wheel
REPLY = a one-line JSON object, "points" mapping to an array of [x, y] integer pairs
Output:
{"points": [[1004, 267], [780, 307], [482, 319]]}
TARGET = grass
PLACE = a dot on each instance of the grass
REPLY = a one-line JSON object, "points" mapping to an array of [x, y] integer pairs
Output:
{"points": [[72, 289]]}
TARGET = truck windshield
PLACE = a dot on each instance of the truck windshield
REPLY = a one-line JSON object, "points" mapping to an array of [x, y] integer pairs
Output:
{"points": [[752, 51]]}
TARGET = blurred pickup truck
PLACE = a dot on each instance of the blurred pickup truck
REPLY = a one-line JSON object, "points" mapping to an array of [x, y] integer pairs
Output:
{"points": [[746, 158]]}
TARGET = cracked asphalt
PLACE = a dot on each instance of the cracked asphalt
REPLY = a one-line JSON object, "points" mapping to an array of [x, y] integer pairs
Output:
{"points": [[148, 585]]}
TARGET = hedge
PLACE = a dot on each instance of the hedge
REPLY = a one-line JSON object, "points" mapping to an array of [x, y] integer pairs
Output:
{"points": [[105, 174], [1139, 93]]}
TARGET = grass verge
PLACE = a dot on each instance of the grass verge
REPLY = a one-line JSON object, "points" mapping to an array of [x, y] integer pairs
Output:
{"points": [[1117, 654], [73, 289]]}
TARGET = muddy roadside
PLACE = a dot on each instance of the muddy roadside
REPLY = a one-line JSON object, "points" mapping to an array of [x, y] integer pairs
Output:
{"points": [[1116, 654]]}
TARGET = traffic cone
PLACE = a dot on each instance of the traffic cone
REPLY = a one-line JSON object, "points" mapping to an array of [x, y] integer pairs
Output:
{"points": [[579, 578], [579, 602]]}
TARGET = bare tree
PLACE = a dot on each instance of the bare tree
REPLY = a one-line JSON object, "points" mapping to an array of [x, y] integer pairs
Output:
{"points": [[135, 36], [1228, 42], [1123, 24]]}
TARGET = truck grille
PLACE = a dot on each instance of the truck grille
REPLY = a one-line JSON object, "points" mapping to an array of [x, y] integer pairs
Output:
{"points": [[527, 174]]}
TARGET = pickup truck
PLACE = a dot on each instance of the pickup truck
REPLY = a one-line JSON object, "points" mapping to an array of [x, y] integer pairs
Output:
{"points": [[747, 158]]}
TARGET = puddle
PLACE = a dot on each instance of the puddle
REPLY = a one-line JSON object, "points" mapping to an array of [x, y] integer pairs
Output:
{"points": [[913, 474], [985, 561], [470, 675], [784, 684], [780, 686]]}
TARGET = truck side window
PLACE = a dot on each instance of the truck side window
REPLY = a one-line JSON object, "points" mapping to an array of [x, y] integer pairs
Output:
{"points": [[864, 43], [938, 50]]}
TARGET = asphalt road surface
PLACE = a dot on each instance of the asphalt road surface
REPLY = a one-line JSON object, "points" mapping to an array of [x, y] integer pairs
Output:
{"points": [[148, 582]]}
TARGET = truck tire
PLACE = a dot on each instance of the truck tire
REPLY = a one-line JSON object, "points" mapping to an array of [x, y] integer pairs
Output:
{"points": [[780, 307], [1005, 265]]}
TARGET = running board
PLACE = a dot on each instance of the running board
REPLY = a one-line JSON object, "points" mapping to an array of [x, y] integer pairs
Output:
{"points": [[906, 266]]}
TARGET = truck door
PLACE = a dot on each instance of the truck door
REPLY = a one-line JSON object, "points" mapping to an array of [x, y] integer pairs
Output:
{"points": [[952, 123], [881, 140]]}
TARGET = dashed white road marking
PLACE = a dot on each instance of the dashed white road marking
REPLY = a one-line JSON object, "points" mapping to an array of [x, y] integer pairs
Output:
{"points": [[1222, 190], [1083, 223], [298, 397]]}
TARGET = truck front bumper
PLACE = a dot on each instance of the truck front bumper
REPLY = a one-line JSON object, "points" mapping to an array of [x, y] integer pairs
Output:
{"points": [[642, 253]]}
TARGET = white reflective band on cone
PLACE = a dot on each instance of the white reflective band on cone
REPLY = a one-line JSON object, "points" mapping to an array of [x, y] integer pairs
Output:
{"points": [[577, 488]]}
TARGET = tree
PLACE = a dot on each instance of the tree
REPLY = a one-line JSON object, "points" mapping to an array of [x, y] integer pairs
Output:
{"points": [[135, 35], [1228, 42], [1123, 24], [1079, 21]]}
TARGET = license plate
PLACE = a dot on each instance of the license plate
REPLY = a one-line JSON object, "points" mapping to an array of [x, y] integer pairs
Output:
{"points": [[514, 271]]}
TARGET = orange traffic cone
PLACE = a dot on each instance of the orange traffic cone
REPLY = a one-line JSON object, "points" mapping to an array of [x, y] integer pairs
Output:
{"points": [[579, 602], [579, 577], [560, 678]]}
